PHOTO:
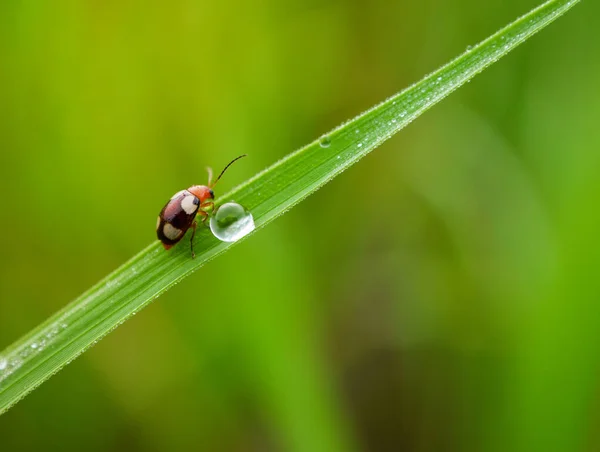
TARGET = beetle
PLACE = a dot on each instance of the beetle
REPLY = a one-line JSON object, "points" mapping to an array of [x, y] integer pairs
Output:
{"points": [[179, 214]]}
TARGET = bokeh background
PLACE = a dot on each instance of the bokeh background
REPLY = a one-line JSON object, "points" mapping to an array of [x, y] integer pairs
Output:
{"points": [[442, 295]]}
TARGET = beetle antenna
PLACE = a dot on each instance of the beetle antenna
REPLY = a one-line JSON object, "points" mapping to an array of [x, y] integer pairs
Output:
{"points": [[224, 169]]}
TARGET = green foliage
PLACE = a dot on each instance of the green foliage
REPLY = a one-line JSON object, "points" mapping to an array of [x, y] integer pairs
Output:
{"points": [[45, 350]]}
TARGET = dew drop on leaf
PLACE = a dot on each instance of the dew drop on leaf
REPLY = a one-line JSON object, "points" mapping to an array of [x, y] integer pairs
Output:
{"points": [[325, 141], [231, 222]]}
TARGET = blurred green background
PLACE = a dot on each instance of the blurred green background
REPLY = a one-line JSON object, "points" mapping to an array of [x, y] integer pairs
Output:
{"points": [[442, 295]]}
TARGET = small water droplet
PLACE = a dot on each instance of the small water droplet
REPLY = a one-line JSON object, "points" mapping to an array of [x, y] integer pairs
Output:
{"points": [[325, 141], [3, 364], [360, 145], [339, 157], [469, 48], [34, 345], [357, 131], [231, 222]]}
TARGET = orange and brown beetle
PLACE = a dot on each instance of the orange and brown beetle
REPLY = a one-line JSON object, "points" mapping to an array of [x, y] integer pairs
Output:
{"points": [[179, 214]]}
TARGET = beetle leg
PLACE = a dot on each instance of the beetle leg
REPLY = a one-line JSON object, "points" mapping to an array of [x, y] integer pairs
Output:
{"points": [[210, 204], [194, 224], [204, 216]]}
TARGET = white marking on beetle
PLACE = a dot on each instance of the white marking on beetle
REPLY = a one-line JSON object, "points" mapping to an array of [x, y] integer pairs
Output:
{"points": [[158, 222], [187, 204], [171, 232], [179, 193]]}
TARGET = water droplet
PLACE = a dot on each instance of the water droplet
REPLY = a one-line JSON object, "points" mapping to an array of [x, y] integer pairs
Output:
{"points": [[3, 364], [469, 48], [339, 157], [231, 222], [34, 345], [360, 145], [325, 141]]}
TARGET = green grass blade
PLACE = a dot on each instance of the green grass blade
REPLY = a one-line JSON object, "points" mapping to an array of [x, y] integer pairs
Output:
{"points": [[48, 348]]}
